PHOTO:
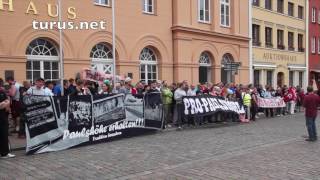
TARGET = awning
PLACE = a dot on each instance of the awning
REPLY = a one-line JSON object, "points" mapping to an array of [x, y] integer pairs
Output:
{"points": [[264, 66], [297, 67], [315, 70]]}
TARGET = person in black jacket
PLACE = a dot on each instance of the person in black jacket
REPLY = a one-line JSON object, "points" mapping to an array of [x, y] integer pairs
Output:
{"points": [[4, 124]]}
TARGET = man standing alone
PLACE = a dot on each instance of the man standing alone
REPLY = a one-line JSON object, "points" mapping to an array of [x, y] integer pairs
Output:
{"points": [[311, 103]]}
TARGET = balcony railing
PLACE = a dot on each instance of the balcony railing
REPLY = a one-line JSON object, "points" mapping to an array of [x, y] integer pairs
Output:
{"points": [[301, 49], [280, 46], [269, 45], [255, 43], [291, 48]]}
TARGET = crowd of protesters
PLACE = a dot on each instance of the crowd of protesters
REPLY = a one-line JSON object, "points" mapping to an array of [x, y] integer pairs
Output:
{"points": [[11, 94]]}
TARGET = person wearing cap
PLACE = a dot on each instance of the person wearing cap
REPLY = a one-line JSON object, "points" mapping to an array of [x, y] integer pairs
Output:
{"points": [[105, 88], [39, 89]]}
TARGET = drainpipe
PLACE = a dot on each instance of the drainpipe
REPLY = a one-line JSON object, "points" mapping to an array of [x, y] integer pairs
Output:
{"points": [[307, 44], [250, 44]]}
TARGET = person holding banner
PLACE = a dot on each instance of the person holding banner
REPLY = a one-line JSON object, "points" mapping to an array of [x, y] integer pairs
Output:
{"points": [[39, 89], [311, 103], [4, 125], [178, 110]]}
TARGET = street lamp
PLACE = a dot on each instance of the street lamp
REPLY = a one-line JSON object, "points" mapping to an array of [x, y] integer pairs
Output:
{"points": [[61, 49], [114, 42]]}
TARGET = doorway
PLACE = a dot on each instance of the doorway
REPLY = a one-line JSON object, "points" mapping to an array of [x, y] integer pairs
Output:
{"points": [[280, 79]]}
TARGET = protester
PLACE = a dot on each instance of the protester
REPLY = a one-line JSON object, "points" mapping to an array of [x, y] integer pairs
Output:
{"points": [[268, 94], [39, 89], [311, 103], [247, 103], [167, 102], [23, 91], [178, 111], [4, 125], [80, 89], [14, 94], [106, 88]]}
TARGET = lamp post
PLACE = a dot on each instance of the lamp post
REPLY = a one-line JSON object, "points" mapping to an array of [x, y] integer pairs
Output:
{"points": [[61, 49], [113, 43]]}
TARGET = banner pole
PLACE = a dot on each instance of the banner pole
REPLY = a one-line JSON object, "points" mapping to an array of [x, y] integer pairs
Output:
{"points": [[61, 50], [113, 43]]}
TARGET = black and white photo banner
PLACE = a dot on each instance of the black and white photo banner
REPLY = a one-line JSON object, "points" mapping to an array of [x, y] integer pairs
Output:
{"points": [[58, 123], [206, 105]]}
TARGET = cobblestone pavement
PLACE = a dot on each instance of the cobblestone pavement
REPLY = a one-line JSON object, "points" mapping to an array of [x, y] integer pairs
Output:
{"points": [[266, 149]]}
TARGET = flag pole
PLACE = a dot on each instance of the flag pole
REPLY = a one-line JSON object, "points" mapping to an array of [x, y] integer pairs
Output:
{"points": [[61, 50], [113, 43]]}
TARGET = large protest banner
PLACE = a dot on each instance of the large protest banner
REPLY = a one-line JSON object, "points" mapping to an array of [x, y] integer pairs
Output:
{"points": [[207, 105], [275, 102], [58, 123]]}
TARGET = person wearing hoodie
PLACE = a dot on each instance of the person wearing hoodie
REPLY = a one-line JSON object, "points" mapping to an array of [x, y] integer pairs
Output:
{"points": [[167, 102]]}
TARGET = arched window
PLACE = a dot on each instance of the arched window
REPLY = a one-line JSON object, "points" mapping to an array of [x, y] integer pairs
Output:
{"points": [[42, 60], [102, 58], [227, 70], [205, 59], [148, 65], [205, 68]]}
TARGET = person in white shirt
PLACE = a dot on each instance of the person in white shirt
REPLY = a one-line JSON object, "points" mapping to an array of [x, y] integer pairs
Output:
{"points": [[178, 110], [39, 89]]}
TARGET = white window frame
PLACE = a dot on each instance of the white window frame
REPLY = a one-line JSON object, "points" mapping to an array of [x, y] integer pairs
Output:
{"points": [[146, 6], [99, 63], [100, 3], [313, 16], [147, 63], [225, 4], [204, 15], [313, 45]]}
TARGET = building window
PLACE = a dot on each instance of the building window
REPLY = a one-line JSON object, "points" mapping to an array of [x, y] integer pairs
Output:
{"points": [[290, 9], [225, 12], [148, 6], [313, 15], [300, 12], [300, 78], [291, 73], [280, 39], [256, 2], [205, 68], [102, 58], [102, 2], [290, 41], [42, 60], [256, 35], [204, 10], [268, 4], [148, 65], [256, 77], [269, 78], [300, 43], [280, 5], [227, 71], [268, 34], [313, 45]]}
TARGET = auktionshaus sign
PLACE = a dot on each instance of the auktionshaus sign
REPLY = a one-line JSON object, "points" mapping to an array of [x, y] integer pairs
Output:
{"points": [[58, 123]]}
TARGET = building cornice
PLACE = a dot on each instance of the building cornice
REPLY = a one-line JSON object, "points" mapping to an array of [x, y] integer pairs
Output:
{"points": [[208, 33]]}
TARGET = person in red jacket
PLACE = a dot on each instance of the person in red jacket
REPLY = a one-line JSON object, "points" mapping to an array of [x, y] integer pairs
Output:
{"points": [[311, 103]]}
